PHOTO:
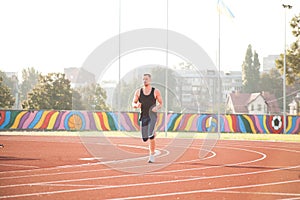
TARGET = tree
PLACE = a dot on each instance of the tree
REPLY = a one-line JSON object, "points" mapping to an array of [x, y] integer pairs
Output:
{"points": [[123, 94], [92, 97], [246, 70], [53, 91], [158, 81], [12, 84], [100, 98], [132, 81], [30, 78], [6, 99], [126, 92], [272, 82], [295, 24], [255, 71], [250, 71], [292, 56], [77, 102]]}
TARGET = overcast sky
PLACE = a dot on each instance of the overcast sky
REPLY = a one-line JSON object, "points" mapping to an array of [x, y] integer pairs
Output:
{"points": [[57, 34]]}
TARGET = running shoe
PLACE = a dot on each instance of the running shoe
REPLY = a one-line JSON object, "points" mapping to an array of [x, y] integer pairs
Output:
{"points": [[151, 159]]}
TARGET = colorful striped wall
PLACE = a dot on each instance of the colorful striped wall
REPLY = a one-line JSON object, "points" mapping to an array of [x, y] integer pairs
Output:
{"points": [[53, 120]]}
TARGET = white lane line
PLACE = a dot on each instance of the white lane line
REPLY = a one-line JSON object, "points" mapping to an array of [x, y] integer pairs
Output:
{"points": [[293, 198], [188, 179], [160, 182], [157, 152], [80, 165], [210, 190], [49, 168], [91, 158], [129, 175], [98, 170], [24, 166], [283, 149], [258, 193], [276, 148], [72, 185], [87, 164], [164, 182], [263, 156], [63, 166]]}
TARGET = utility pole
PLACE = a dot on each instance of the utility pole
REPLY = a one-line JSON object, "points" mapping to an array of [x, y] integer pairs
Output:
{"points": [[285, 6]]}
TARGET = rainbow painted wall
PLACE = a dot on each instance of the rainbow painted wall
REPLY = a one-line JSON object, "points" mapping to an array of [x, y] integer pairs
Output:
{"points": [[54, 120]]}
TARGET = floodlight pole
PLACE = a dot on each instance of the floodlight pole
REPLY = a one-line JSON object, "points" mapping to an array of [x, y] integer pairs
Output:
{"points": [[285, 6], [166, 71]]}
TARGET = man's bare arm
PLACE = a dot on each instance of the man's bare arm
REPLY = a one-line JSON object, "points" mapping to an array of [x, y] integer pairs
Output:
{"points": [[135, 101], [158, 99]]}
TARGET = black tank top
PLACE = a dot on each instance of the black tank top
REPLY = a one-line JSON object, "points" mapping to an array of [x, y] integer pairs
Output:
{"points": [[147, 102]]}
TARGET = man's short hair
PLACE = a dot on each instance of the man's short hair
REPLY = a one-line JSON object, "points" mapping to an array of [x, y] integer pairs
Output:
{"points": [[147, 74]]}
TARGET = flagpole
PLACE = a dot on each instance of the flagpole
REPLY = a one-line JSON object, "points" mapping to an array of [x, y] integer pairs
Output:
{"points": [[219, 67], [119, 69], [228, 11]]}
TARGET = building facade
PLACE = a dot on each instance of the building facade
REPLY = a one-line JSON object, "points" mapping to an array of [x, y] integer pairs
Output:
{"points": [[199, 91], [252, 103]]}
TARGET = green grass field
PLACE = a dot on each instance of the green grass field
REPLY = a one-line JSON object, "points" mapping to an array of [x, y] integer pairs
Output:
{"points": [[224, 136]]}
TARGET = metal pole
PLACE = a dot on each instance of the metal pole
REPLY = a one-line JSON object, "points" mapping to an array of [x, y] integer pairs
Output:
{"points": [[219, 74], [285, 6], [166, 74], [119, 89], [284, 74]]}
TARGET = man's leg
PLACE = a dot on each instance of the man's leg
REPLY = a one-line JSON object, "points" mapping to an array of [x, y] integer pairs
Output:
{"points": [[151, 150], [152, 146], [145, 124], [152, 137], [145, 128]]}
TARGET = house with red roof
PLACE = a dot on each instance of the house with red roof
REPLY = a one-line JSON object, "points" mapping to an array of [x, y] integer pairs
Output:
{"points": [[253, 103]]}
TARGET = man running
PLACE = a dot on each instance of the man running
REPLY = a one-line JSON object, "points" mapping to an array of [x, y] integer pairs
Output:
{"points": [[149, 100]]}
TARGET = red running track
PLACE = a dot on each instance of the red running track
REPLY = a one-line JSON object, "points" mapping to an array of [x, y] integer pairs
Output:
{"points": [[43, 167]]}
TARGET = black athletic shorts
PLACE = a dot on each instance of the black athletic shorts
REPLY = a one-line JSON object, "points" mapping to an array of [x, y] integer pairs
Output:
{"points": [[147, 126]]}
